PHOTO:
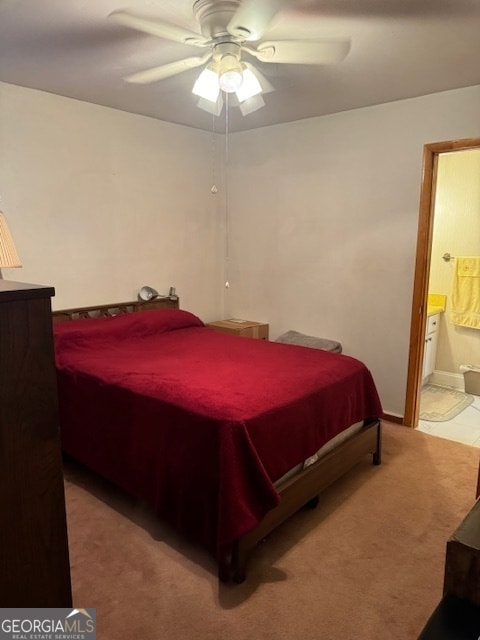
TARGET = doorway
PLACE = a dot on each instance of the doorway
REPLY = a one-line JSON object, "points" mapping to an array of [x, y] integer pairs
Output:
{"points": [[431, 154]]}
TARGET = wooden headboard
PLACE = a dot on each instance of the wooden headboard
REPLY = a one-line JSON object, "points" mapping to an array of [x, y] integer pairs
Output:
{"points": [[114, 309]]}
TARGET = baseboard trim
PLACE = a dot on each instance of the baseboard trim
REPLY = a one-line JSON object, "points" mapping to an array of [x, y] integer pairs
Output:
{"points": [[447, 379], [390, 418]]}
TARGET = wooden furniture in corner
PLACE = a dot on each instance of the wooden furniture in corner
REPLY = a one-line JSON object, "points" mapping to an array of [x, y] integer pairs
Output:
{"points": [[457, 616], [242, 328], [34, 559], [477, 495], [462, 559]]}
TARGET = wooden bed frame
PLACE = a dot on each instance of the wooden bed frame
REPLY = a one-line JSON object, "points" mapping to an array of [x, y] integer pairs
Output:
{"points": [[115, 309], [302, 489]]}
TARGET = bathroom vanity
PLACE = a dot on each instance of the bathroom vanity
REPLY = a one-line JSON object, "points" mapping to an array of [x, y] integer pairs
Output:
{"points": [[431, 340]]}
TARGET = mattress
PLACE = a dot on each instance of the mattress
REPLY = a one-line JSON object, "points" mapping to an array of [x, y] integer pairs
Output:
{"points": [[327, 447]]}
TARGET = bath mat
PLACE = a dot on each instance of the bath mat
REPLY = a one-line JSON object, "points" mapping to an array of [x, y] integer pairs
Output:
{"points": [[439, 404]]}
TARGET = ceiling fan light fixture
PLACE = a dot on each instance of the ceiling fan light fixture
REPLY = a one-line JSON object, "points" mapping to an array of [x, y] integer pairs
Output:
{"points": [[250, 86], [230, 81], [215, 108], [251, 104], [224, 28], [206, 85], [230, 73]]}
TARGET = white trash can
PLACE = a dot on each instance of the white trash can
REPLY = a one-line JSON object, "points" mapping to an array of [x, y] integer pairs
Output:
{"points": [[471, 376]]}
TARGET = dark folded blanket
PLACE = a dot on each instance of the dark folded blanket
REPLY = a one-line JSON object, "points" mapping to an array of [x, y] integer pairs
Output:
{"points": [[295, 337]]}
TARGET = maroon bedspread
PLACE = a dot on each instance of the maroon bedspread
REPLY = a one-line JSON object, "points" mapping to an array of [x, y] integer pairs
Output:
{"points": [[199, 423]]}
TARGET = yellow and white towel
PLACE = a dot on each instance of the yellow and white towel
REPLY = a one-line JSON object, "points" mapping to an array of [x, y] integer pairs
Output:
{"points": [[466, 293]]}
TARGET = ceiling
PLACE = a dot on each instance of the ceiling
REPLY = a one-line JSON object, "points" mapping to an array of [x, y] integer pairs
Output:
{"points": [[399, 49]]}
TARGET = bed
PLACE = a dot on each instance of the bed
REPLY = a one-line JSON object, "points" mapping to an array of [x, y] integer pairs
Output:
{"points": [[219, 434]]}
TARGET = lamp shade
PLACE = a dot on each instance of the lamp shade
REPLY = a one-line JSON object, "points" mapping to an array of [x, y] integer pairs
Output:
{"points": [[206, 85], [8, 252]]}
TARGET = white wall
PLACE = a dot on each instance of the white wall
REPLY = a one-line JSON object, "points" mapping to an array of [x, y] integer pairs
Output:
{"points": [[322, 214], [323, 225], [101, 202]]}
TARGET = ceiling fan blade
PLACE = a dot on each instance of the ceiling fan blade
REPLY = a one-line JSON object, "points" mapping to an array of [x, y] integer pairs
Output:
{"points": [[167, 70], [253, 17], [303, 51], [157, 28]]}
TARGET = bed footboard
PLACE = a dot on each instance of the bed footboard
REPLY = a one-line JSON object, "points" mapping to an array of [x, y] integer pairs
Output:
{"points": [[305, 487]]}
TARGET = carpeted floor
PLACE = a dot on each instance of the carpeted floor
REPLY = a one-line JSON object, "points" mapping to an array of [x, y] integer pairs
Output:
{"points": [[366, 563]]}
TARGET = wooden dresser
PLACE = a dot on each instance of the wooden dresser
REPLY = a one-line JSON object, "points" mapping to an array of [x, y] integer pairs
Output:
{"points": [[34, 560]]}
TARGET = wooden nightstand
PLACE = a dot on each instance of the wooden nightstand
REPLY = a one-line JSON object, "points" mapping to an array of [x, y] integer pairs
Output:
{"points": [[243, 328]]}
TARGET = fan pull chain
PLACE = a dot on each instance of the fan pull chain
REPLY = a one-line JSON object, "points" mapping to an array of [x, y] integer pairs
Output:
{"points": [[227, 283], [214, 188]]}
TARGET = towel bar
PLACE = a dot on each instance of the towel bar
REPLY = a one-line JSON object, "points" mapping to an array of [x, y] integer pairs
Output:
{"points": [[447, 257]]}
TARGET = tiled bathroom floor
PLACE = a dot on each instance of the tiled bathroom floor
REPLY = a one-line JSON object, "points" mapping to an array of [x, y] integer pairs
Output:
{"points": [[463, 428]]}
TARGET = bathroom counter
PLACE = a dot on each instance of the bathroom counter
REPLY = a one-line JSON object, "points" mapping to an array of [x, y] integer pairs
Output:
{"points": [[433, 309], [436, 303]]}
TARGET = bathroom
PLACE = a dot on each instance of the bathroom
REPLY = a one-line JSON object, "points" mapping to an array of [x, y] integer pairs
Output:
{"points": [[449, 347]]}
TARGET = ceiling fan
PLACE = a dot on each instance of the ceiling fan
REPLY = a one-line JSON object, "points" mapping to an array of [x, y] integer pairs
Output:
{"points": [[226, 29]]}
